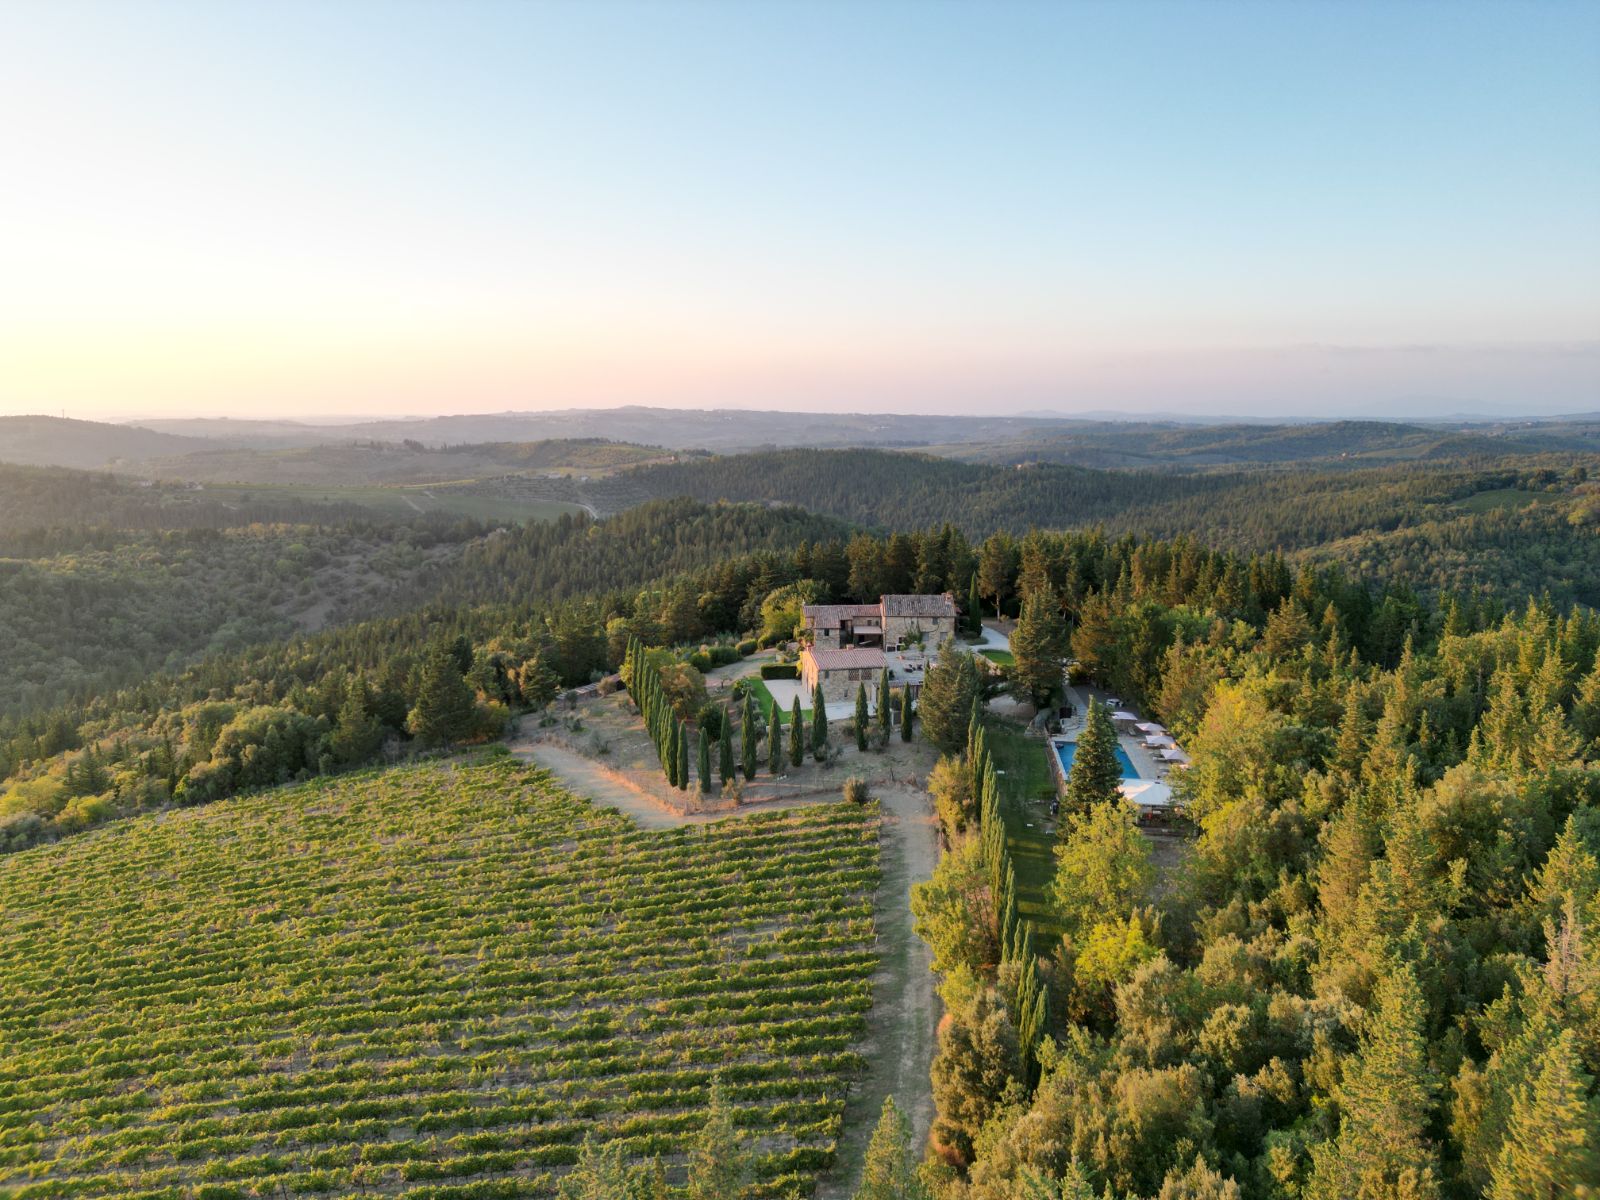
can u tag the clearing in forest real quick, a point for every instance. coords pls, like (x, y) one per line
(427, 982)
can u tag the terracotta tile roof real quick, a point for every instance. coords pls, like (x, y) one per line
(919, 606)
(829, 616)
(848, 658)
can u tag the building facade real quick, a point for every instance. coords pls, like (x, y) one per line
(842, 671)
(894, 623)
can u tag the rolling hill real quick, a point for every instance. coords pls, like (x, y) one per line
(62, 442)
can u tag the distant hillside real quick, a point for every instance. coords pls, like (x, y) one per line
(679, 429)
(410, 462)
(1190, 448)
(61, 442)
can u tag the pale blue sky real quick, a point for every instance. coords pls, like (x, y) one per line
(1297, 208)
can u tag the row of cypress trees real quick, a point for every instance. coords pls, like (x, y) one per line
(671, 734)
(1030, 1000)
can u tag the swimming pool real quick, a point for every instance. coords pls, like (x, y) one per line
(1066, 750)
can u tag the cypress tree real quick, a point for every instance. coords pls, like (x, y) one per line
(819, 720)
(861, 716)
(682, 755)
(747, 737)
(669, 753)
(797, 746)
(974, 609)
(725, 768)
(907, 712)
(884, 699)
(703, 760)
(774, 742)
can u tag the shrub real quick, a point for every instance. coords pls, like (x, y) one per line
(700, 660)
(779, 671)
(746, 647)
(856, 790)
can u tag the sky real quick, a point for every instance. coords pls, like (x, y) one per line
(309, 209)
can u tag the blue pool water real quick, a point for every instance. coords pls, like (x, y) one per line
(1065, 751)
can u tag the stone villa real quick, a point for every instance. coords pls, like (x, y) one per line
(851, 644)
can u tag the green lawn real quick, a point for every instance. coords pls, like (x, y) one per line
(411, 499)
(1027, 787)
(1002, 658)
(765, 702)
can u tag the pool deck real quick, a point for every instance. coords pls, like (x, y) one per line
(1144, 762)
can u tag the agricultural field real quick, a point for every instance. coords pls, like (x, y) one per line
(431, 982)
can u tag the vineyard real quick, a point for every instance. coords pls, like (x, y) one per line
(431, 982)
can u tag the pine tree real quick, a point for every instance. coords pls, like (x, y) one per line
(861, 716)
(1385, 1100)
(1038, 644)
(948, 694)
(444, 709)
(719, 1165)
(819, 721)
(1095, 772)
(747, 737)
(1552, 1143)
(703, 760)
(797, 745)
(725, 767)
(889, 1172)
(357, 734)
(907, 713)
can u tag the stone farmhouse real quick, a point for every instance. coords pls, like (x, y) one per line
(893, 623)
(851, 644)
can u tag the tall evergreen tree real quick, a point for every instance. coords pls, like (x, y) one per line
(885, 698)
(725, 767)
(973, 617)
(357, 733)
(1038, 644)
(774, 741)
(890, 1170)
(819, 721)
(951, 688)
(1385, 1100)
(682, 755)
(797, 742)
(444, 709)
(747, 737)
(907, 713)
(1552, 1144)
(862, 716)
(703, 760)
(720, 1166)
(1095, 772)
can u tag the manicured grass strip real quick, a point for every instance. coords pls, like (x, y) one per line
(1026, 787)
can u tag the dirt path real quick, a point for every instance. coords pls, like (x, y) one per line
(905, 1007)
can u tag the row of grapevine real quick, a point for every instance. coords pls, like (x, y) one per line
(424, 982)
